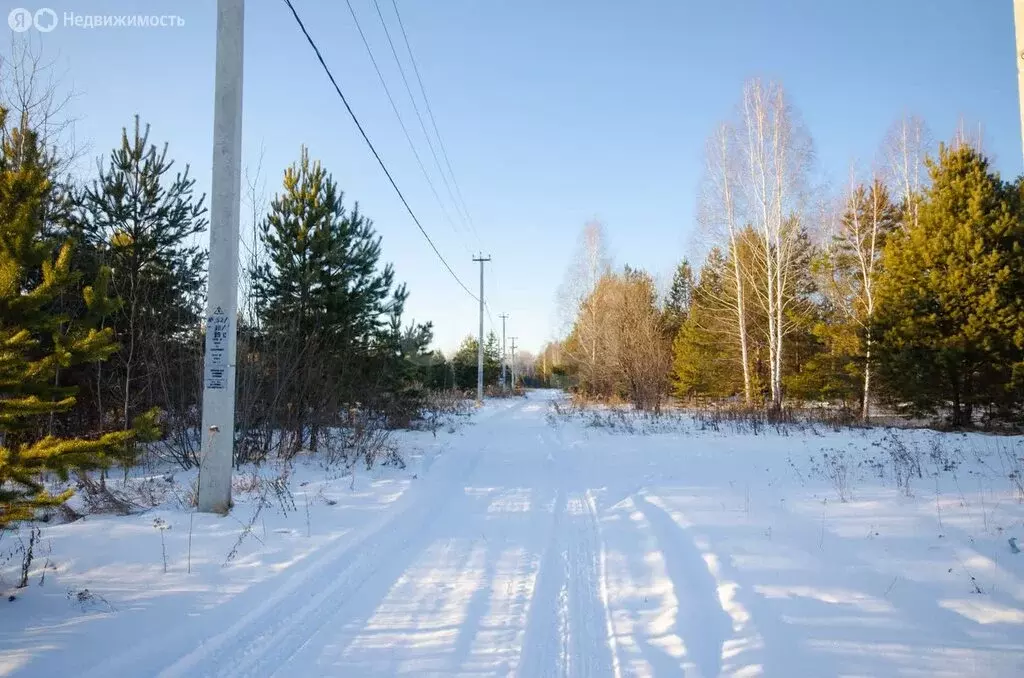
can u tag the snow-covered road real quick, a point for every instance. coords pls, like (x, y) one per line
(531, 548)
(490, 565)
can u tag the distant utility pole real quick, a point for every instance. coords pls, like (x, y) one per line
(1018, 22)
(218, 428)
(513, 363)
(504, 317)
(480, 345)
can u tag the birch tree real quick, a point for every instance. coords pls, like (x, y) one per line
(37, 95)
(776, 154)
(580, 308)
(868, 218)
(719, 211)
(905, 149)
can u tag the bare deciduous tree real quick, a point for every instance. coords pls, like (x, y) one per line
(776, 157)
(868, 216)
(718, 212)
(579, 304)
(906, 146)
(642, 351)
(622, 322)
(38, 95)
(967, 135)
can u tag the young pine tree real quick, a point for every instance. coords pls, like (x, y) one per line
(140, 220)
(680, 298)
(464, 363)
(706, 362)
(37, 342)
(400, 367)
(492, 359)
(323, 300)
(951, 300)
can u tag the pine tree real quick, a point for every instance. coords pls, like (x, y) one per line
(397, 368)
(492, 360)
(680, 297)
(323, 301)
(705, 362)
(951, 308)
(829, 352)
(464, 363)
(802, 315)
(36, 342)
(140, 218)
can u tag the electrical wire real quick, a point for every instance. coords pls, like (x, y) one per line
(416, 109)
(433, 121)
(373, 149)
(487, 307)
(405, 130)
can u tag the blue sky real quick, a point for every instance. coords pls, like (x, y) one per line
(553, 112)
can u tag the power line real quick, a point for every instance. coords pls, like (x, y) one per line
(405, 130)
(433, 121)
(489, 316)
(369, 143)
(416, 109)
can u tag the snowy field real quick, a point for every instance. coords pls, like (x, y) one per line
(534, 542)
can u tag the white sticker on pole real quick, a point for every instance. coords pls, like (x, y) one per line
(217, 328)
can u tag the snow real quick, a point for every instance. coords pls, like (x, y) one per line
(535, 542)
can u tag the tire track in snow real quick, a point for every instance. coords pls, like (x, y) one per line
(262, 642)
(545, 645)
(602, 584)
(591, 641)
(271, 639)
(295, 649)
(256, 615)
(568, 629)
(187, 645)
(545, 651)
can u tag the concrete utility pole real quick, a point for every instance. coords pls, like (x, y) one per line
(504, 317)
(218, 428)
(1018, 23)
(480, 346)
(513, 364)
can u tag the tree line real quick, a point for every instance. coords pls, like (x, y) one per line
(102, 312)
(905, 292)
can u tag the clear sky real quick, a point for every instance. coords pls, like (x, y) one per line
(553, 112)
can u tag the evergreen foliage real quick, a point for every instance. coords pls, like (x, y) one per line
(705, 360)
(465, 360)
(680, 298)
(914, 302)
(140, 220)
(329, 316)
(36, 343)
(932, 305)
(951, 311)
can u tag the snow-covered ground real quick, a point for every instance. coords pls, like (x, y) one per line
(534, 543)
